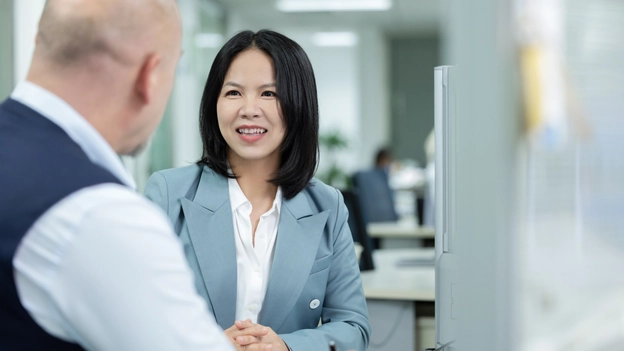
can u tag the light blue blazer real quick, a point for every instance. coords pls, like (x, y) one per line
(314, 259)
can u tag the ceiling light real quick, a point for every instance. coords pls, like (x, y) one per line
(334, 39)
(333, 5)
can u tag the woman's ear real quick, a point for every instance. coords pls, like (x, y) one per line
(147, 78)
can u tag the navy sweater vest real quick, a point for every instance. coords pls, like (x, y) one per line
(39, 166)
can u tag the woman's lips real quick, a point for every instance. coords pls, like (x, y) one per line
(251, 134)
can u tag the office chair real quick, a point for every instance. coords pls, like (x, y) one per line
(375, 196)
(358, 230)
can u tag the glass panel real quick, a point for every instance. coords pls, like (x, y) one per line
(571, 289)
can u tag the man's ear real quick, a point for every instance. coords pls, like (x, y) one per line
(147, 78)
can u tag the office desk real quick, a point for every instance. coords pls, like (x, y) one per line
(390, 281)
(393, 293)
(400, 233)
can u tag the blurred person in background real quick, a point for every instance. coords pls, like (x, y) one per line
(85, 262)
(270, 245)
(383, 160)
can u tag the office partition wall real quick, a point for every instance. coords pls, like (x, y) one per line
(446, 312)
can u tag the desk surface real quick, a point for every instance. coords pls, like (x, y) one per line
(389, 281)
(403, 228)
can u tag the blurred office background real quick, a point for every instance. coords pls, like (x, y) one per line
(373, 71)
(539, 166)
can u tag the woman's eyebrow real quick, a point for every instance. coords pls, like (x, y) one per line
(233, 84)
(263, 86)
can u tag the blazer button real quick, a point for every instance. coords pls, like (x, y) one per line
(315, 303)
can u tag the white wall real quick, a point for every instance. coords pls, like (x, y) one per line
(374, 102)
(336, 72)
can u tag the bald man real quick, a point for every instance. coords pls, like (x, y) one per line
(85, 262)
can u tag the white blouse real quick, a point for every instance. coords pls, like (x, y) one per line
(253, 263)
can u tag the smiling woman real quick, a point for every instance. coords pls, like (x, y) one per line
(284, 78)
(248, 111)
(269, 245)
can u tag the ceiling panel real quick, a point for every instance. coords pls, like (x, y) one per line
(405, 16)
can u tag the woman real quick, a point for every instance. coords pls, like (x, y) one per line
(269, 245)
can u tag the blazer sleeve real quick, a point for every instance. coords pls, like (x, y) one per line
(345, 314)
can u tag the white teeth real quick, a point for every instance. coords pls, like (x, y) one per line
(251, 131)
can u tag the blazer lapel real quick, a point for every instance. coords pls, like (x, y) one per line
(209, 221)
(298, 238)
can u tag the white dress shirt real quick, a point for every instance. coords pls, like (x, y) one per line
(103, 267)
(253, 262)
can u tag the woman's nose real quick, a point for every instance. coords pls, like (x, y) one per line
(250, 108)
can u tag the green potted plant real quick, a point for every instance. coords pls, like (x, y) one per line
(331, 142)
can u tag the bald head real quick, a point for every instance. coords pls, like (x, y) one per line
(72, 32)
(113, 61)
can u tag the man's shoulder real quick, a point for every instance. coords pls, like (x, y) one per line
(106, 194)
(109, 200)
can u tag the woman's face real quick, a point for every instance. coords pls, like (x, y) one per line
(248, 110)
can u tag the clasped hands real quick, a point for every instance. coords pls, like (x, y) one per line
(248, 336)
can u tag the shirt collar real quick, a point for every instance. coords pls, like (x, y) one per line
(238, 198)
(79, 130)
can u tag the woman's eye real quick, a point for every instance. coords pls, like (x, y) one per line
(269, 93)
(232, 93)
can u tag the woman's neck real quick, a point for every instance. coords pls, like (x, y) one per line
(253, 179)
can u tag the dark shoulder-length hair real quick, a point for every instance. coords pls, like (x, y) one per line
(296, 92)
